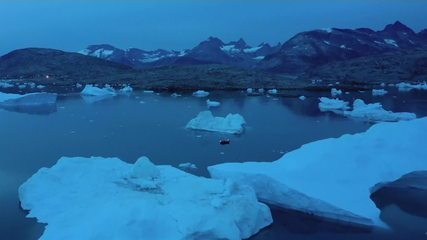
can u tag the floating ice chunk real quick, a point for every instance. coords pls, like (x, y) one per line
(30, 99)
(382, 84)
(126, 89)
(232, 123)
(6, 84)
(106, 198)
(332, 177)
(148, 91)
(200, 93)
(272, 91)
(31, 85)
(40, 86)
(328, 104)
(335, 92)
(302, 98)
(249, 90)
(187, 165)
(379, 92)
(175, 95)
(408, 86)
(261, 90)
(90, 90)
(374, 112)
(22, 86)
(212, 103)
(78, 85)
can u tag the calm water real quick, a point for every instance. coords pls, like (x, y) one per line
(153, 125)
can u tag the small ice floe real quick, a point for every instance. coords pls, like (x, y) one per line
(272, 91)
(175, 95)
(78, 85)
(302, 98)
(22, 86)
(382, 84)
(6, 84)
(200, 93)
(374, 112)
(408, 86)
(335, 92)
(187, 165)
(249, 90)
(212, 103)
(40, 86)
(328, 104)
(31, 85)
(379, 92)
(90, 90)
(126, 90)
(261, 90)
(103, 198)
(232, 123)
(148, 91)
(302, 179)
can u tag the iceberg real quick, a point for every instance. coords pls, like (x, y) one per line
(332, 178)
(328, 104)
(126, 89)
(249, 90)
(374, 112)
(232, 123)
(106, 198)
(335, 92)
(27, 100)
(200, 93)
(187, 165)
(272, 91)
(90, 90)
(212, 103)
(302, 98)
(379, 92)
(403, 87)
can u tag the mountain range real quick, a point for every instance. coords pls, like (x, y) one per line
(350, 56)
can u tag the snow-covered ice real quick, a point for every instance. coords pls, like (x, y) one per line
(210, 103)
(335, 92)
(28, 100)
(90, 90)
(232, 123)
(379, 92)
(332, 177)
(374, 112)
(106, 198)
(408, 86)
(328, 104)
(200, 93)
(187, 165)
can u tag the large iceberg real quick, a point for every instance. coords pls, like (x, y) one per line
(27, 100)
(90, 90)
(374, 112)
(332, 178)
(106, 198)
(328, 104)
(232, 123)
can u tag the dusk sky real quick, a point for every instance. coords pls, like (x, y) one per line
(72, 25)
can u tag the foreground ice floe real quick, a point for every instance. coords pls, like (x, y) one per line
(232, 123)
(200, 93)
(27, 100)
(408, 86)
(210, 103)
(332, 178)
(372, 112)
(106, 198)
(90, 90)
(379, 92)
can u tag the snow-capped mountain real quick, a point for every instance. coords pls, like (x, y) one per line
(314, 48)
(212, 50)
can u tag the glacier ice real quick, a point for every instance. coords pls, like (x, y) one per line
(106, 198)
(332, 178)
(232, 123)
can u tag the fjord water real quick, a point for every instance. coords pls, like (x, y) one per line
(152, 125)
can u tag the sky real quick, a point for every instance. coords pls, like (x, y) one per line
(181, 24)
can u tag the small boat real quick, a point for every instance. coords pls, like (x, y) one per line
(224, 141)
